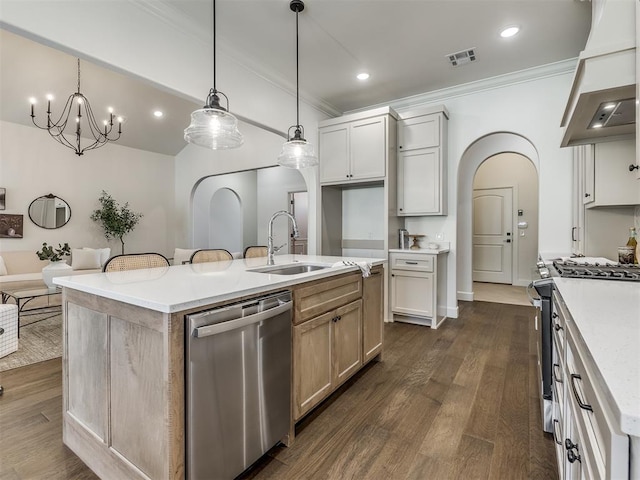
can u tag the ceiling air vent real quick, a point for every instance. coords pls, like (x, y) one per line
(462, 57)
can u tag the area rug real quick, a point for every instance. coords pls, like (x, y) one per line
(40, 340)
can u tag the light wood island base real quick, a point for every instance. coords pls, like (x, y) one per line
(124, 370)
(123, 388)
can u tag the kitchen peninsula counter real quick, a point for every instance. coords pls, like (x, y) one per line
(606, 314)
(123, 358)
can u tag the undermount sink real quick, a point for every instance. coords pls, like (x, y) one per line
(294, 269)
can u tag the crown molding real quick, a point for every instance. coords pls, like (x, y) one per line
(521, 76)
(178, 21)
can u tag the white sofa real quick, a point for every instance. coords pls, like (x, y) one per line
(23, 266)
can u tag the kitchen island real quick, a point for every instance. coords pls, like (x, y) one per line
(124, 349)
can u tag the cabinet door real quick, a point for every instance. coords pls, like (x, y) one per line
(368, 148)
(419, 132)
(334, 153)
(589, 175)
(372, 314)
(412, 293)
(419, 182)
(347, 338)
(312, 363)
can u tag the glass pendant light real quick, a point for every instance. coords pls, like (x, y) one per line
(213, 126)
(297, 152)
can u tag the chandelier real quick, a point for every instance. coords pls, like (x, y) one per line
(82, 116)
(297, 152)
(213, 126)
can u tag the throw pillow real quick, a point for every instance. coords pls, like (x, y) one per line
(3, 267)
(181, 255)
(82, 259)
(104, 254)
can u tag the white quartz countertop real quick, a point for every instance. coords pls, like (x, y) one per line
(181, 287)
(607, 314)
(431, 251)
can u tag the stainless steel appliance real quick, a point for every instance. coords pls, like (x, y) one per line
(238, 384)
(543, 319)
(594, 269)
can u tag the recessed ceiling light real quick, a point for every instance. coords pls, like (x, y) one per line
(509, 32)
(362, 76)
(158, 114)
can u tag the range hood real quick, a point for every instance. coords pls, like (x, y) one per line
(602, 102)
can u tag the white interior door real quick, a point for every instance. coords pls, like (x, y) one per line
(492, 235)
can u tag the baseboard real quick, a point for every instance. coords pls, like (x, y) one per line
(465, 296)
(452, 312)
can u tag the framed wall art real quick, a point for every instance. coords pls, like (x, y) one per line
(11, 226)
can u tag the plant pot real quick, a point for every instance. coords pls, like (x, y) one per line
(55, 269)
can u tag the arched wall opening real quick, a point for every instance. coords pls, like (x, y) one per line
(258, 194)
(226, 227)
(480, 150)
(505, 220)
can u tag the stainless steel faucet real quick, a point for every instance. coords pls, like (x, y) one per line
(270, 249)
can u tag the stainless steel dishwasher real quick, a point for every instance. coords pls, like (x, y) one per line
(238, 392)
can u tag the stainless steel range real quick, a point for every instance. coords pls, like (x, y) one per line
(571, 267)
(595, 270)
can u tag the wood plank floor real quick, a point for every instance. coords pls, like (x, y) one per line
(457, 402)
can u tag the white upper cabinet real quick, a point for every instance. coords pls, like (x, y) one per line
(607, 179)
(419, 132)
(355, 147)
(422, 162)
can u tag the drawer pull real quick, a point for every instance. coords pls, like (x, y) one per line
(556, 423)
(554, 315)
(555, 375)
(1, 330)
(411, 263)
(557, 327)
(581, 404)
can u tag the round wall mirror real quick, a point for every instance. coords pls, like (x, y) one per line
(49, 211)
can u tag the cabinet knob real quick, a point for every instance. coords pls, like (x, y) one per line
(587, 195)
(400, 147)
(400, 209)
(632, 167)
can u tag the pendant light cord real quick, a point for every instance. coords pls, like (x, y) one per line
(297, 76)
(214, 45)
(78, 75)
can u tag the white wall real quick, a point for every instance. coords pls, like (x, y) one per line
(33, 164)
(531, 109)
(513, 170)
(274, 186)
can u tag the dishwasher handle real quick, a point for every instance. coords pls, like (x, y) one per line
(208, 330)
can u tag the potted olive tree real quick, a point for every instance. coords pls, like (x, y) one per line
(116, 220)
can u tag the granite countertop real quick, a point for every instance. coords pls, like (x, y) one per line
(181, 287)
(607, 316)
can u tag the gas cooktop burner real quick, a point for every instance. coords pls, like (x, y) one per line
(571, 269)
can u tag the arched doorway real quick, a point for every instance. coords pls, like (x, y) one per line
(479, 151)
(505, 220)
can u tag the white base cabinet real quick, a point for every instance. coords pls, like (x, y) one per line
(418, 285)
(589, 443)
